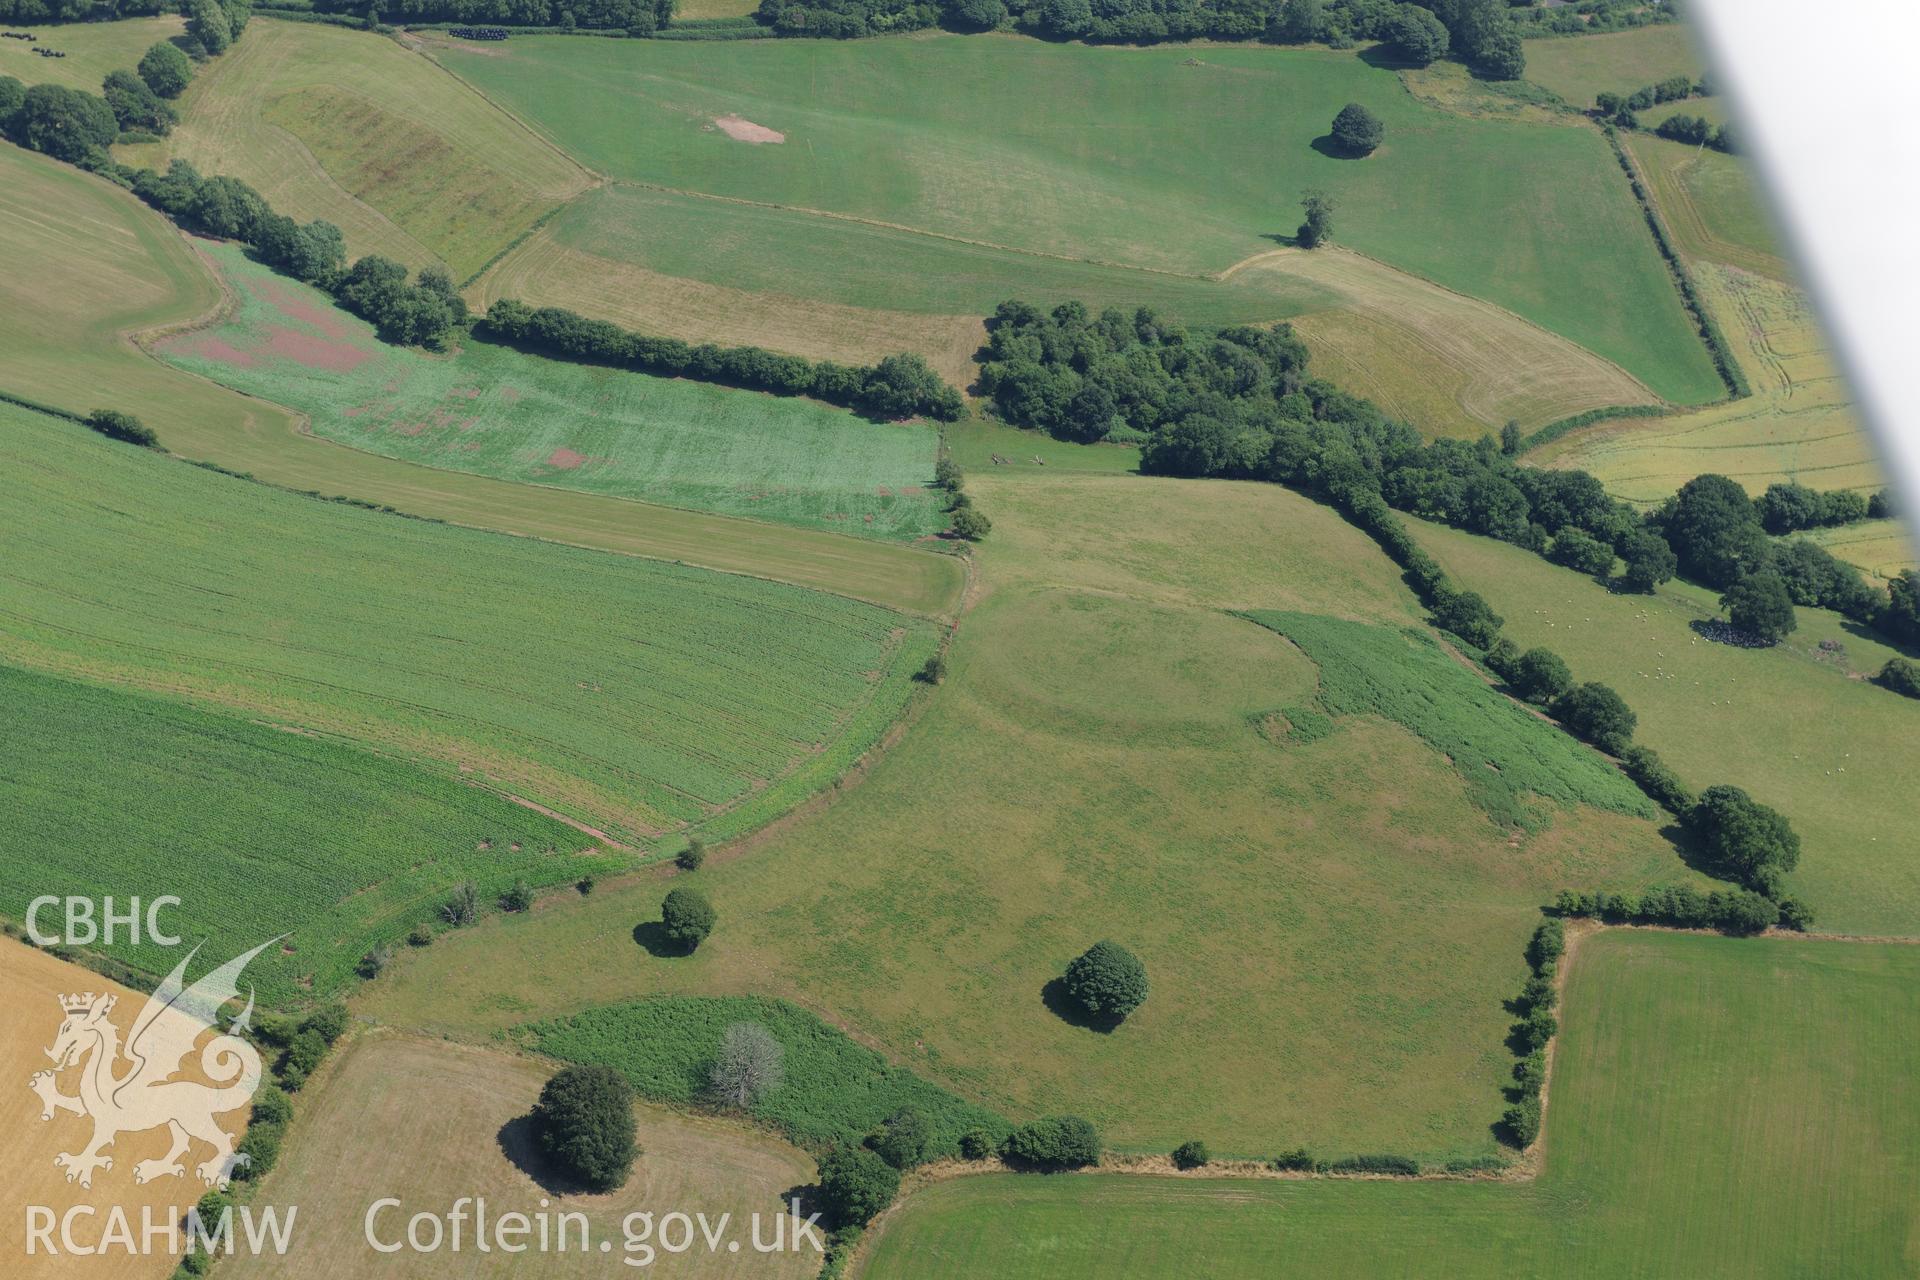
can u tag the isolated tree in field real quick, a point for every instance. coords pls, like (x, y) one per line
(1107, 980)
(855, 1184)
(688, 916)
(1747, 840)
(166, 69)
(1317, 229)
(693, 857)
(64, 123)
(1510, 439)
(749, 1066)
(1649, 561)
(1598, 714)
(905, 1140)
(1356, 131)
(584, 1123)
(207, 23)
(1419, 37)
(1540, 675)
(1760, 605)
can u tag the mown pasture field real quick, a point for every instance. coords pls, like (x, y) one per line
(360, 130)
(82, 264)
(34, 982)
(92, 49)
(1134, 158)
(497, 412)
(430, 1122)
(637, 696)
(1801, 731)
(1718, 1108)
(1617, 62)
(1329, 927)
(259, 831)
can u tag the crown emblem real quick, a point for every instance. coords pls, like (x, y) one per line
(77, 1003)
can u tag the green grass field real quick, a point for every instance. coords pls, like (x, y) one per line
(496, 412)
(83, 263)
(92, 48)
(110, 793)
(1719, 1108)
(1618, 62)
(1802, 732)
(1712, 205)
(1329, 927)
(638, 696)
(1127, 157)
(362, 131)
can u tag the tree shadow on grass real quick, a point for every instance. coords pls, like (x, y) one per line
(652, 934)
(1072, 1012)
(521, 1146)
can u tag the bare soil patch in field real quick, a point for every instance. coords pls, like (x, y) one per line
(741, 129)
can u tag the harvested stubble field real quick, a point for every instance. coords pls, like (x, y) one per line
(630, 694)
(1719, 1107)
(1801, 730)
(34, 983)
(1126, 158)
(500, 413)
(1330, 926)
(1799, 424)
(83, 263)
(258, 830)
(359, 130)
(430, 1122)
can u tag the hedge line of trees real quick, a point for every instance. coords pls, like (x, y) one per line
(1241, 404)
(1520, 1123)
(640, 17)
(1681, 906)
(1723, 362)
(899, 386)
(1480, 32)
(29, 11)
(1622, 111)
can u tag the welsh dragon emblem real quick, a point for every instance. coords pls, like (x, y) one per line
(145, 1095)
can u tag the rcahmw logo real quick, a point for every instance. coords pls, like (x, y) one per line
(145, 1094)
(84, 927)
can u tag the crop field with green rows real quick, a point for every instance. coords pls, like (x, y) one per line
(496, 412)
(258, 831)
(635, 695)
